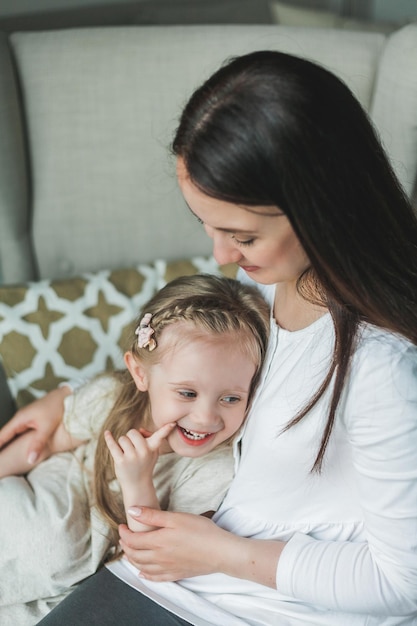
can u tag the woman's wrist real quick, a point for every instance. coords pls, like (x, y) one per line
(251, 559)
(54, 403)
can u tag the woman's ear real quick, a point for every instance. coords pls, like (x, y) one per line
(137, 371)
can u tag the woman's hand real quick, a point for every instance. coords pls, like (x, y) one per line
(43, 416)
(184, 545)
(188, 545)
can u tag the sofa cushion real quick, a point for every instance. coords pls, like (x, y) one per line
(55, 330)
(300, 16)
(395, 105)
(100, 110)
(284, 13)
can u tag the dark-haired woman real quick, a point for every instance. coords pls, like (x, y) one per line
(279, 162)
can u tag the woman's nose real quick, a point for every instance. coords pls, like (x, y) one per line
(224, 249)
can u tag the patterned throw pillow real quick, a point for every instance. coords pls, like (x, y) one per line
(56, 330)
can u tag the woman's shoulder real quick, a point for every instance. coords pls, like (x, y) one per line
(376, 343)
(380, 402)
(384, 363)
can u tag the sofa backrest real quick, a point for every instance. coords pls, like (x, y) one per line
(87, 116)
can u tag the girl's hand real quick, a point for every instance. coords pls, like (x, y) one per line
(134, 457)
(136, 453)
(186, 545)
(42, 416)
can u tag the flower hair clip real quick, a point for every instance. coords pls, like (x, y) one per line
(144, 332)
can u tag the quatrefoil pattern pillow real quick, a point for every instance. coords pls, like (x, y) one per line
(57, 330)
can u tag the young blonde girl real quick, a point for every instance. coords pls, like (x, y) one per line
(208, 341)
(189, 314)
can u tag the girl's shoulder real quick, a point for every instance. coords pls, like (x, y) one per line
(97, 390)
(88, 407)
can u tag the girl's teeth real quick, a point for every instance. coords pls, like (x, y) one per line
(192, 435)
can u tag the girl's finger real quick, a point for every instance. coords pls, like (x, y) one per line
(145, 433)
(113, 446)
(155, 440)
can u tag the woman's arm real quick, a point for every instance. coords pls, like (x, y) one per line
(49, 425)
(41, 418)
(378, 574)
(375, 575)
(14, 456)
(188, 545)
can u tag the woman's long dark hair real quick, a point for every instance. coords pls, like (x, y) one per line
(272, 129)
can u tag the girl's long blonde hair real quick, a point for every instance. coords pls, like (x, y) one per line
(212, 306)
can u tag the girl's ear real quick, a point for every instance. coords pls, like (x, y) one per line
(137, 371)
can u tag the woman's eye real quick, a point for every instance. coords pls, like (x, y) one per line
(187, 394)
(231, 399)
(200, 221)
(246, 242)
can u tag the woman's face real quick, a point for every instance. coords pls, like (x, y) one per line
(259, 239)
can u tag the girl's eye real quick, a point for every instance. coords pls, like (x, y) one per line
(187, 394)
(248, 242)
(231, 399)
(200, 221)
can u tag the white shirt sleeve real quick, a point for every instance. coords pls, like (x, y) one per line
(378, 576)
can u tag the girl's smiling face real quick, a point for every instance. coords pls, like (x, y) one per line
(200, 383)
(260, 239)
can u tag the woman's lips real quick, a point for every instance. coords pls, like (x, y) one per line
(249, 268)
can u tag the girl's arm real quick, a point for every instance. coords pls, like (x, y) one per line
(134, 456)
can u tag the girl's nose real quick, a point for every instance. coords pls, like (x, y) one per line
(205, 417)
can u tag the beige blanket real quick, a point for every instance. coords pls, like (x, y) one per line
(51, 537)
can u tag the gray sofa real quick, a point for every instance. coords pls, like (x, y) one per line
(87, 183)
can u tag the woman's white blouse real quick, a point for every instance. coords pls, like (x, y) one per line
(351, 530)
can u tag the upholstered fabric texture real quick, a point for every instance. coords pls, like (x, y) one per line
(288, 15)
(55, 330)
(101, 108)
(395, 105)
